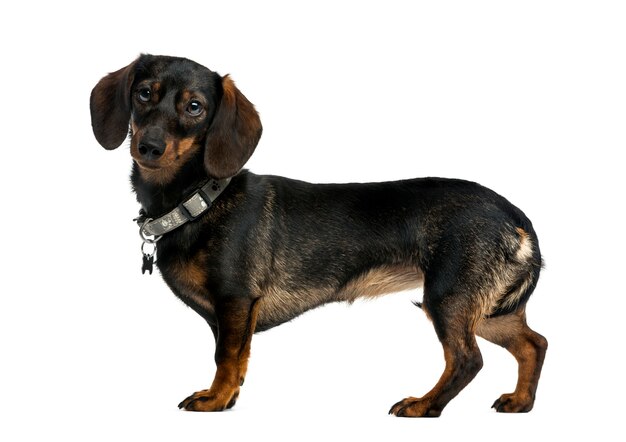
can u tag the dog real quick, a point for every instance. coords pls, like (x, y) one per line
(249, 252)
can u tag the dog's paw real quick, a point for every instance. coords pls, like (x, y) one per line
(513, 403)
(207, 400)
(414, 407)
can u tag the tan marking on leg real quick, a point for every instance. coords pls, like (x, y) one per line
(244, 352)
(529, 349)
(232, 363)
(463, 361)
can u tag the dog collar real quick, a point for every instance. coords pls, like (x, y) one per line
(189, 210)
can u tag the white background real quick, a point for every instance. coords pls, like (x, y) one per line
(528, 98)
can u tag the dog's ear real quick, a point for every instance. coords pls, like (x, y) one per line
(110, 107)
(233, 134)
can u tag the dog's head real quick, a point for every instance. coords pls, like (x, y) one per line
(177, 110)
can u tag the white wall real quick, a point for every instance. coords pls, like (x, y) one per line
(525, 97)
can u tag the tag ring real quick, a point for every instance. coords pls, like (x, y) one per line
(143, 245)
(143, 235)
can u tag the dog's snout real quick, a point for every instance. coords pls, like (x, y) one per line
(151, 149)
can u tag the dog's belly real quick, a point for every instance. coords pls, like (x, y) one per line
(279, 304)
(381, 281)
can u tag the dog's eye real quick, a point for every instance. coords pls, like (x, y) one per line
(144, 94)
(194, 108)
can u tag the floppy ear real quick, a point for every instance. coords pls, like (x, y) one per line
(233, 134)
(110, 107)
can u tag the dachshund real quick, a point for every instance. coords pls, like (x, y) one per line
(249, 252)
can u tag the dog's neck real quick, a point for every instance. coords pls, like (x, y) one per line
(158, 198)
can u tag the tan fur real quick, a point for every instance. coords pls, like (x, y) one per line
(523, 256)
(183, 148)
(435, 400)
(500, 328)
(191, 274)
(529, 349)
(525, 250)
(231, 369)
(277, 304)
(190, 277)
(381, 281)
(156, 90)
(508, 273)
(185, 96)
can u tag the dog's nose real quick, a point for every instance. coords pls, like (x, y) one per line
(151, 149)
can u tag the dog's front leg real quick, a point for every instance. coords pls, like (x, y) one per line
(236, 321)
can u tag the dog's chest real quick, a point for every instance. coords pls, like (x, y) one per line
(187, 278)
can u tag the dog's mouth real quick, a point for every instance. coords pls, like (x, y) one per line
(149, 165)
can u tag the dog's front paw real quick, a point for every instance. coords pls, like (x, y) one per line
(207, 400)
(513, 403)
(414, 407)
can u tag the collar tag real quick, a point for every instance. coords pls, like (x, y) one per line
(148, 247)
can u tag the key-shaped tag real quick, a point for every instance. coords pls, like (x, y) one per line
(148, 261)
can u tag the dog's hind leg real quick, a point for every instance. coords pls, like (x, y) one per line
(454, 325)
(529, 348)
